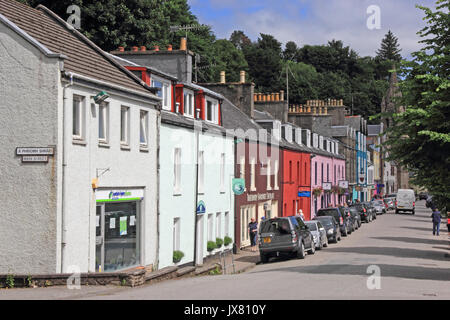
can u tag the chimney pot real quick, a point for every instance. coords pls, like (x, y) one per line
(156, 48)
(183, 44)
(135, 48)
(143, 48)
(242, 77)
(282, 95)
(222, 77)
(169, 48)
(121, 49)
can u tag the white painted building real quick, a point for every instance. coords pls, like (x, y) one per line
(91, 205)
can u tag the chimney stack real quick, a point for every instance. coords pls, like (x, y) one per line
(183, 44)
(222, 77)
(242, 77)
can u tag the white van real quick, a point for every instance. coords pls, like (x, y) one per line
(406, 201)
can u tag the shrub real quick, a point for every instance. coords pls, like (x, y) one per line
(10, 281)
(219, 242)
(227, 241)
(211, 246)
(177, 256)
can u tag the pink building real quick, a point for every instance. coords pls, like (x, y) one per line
(327, 166)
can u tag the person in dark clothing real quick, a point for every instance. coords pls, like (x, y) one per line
(436, 217)
(253, 232)
(448, 223)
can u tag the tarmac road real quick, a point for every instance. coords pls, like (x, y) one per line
(413, 264)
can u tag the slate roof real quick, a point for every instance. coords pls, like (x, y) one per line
(83, 56)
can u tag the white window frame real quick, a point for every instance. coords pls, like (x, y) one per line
(177, 171)
(219, 225)
(189, 100)
(80, 100)
(253, 174)
(143, 128)
(166, 95)
(222, 172)
(227, 224)
(214, 111)
(125, 126)
(276, 175)
(103, 114)
(268, 172)
(176, 233)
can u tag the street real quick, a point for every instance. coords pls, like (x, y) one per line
(413, 264)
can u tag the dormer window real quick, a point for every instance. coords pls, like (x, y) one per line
(164, 91)
(188, 103)
(212, 111)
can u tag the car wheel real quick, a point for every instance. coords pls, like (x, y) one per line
(413, 212)
(264, 258)
(396, 212)
(301, 251)
(313, 247)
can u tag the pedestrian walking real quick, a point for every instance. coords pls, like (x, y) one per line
(253, 232)
(300, 213)
(436, 218)
(448, 222)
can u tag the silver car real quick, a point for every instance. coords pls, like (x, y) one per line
(379, 206)
(318, 232)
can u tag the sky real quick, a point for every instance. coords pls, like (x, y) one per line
(315, 22)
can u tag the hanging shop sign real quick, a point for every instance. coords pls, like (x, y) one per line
(119, 195)
(238, 186)
(343, 184)
(201, 208)
(326, 186)
(304, 194)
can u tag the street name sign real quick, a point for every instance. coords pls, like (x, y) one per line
(34, 151)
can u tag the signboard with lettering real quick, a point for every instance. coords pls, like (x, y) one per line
(119, 195)
(35, 159)
(343, 184)
(326, 185)
(260, 196)
(32, 151)
(304, 194)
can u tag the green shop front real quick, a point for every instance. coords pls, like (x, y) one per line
(118, 229)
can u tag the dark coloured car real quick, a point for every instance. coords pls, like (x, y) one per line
(423, 196)
(348, 218)
(331, 226)
(356, 217)
(364, 213)
(371, 209)
(284, 236)
(337, 215)
(429, 202)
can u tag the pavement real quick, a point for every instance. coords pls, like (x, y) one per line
(394, 257)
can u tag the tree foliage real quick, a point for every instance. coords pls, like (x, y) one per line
(420, 137)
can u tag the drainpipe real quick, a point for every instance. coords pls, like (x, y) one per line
(196, 190)
(64, 165)
(158, 218)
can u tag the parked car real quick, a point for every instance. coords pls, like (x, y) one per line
(356, 216)
(348, 219)
(390, 203)
(331, 226)
(423, 196)
(406, 201)
(363, 212)
(319, 233)
(380, 207)
(336, 213)
(371, 209)
(284, 235)
(391, 195)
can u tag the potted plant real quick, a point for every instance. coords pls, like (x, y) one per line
(177, 256)
(317, 191)
(335, 189)
(227, 240)
(219, 243)
(210, 246)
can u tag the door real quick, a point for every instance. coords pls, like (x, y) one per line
(199, 241)
(117, 236)
(247, 213)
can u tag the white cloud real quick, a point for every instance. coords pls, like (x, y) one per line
(323, 20)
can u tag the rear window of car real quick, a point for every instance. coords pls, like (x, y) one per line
(328, 222)
(329, 212)
(274, 226)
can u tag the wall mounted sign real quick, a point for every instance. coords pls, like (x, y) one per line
(304, 194)
(201, 208)
(343, 184)
(238, 186)
(34, 158)
(326, 185)
(119, 195)
(260, 196)
(32, 151)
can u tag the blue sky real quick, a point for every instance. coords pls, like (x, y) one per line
(316, 21)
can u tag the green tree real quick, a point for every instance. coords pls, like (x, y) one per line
(390, 48)
(290, 51)
(420, 137)
(226, 57)
(239, 39)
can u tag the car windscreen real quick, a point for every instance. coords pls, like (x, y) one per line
(311, 226)
(329, 212)
(276, 226)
